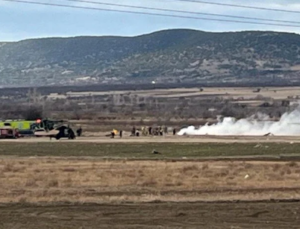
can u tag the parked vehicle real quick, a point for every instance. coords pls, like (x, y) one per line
(8, 132)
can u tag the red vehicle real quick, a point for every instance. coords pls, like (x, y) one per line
(8, 132)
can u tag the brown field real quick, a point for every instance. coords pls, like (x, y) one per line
(50, 180)
(88, 193)
(83, 187)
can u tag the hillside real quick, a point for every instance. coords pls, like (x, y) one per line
(165, 56)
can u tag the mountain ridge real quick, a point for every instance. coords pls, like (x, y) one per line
(167, 56)
(153, 33)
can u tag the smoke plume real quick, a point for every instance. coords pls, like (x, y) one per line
(258, 125)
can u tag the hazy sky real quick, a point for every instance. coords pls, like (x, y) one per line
(21, 21)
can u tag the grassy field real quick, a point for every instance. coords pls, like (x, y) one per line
(72, 184)
(144, 150)
(56, 180)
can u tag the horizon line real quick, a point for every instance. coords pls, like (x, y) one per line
(148, 33)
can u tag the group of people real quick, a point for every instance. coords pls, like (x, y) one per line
(71, 134)
(144, 131)
(116, 132)
(157, 131)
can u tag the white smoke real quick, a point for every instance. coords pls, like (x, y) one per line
(258, 125)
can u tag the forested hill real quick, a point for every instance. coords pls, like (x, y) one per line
(170, 56)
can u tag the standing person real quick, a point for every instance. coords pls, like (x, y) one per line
(150, 130)
(121, 133)
(157, 131)
(113, 134)
(143, 131)
(71, 134)
(165, 129)
(161, 131)
(174, 131)
(79, 132)
(133, 131)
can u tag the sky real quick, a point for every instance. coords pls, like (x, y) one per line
(19, 21)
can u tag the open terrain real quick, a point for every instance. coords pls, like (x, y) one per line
(60, 180)
(119, 184)
(75, 192)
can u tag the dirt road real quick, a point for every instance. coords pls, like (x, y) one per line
(153, 215)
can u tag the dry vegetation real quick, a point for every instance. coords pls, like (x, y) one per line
(63, 180)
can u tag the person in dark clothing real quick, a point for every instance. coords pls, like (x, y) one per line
(71, 134)
(174, 131)
(156, 131)
(112, 134)
(133, 131)
(150, 130)
(79, 132)
(121, 133)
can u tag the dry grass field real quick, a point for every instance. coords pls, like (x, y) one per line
(73, 184)
(88, 193)
(53, 180)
